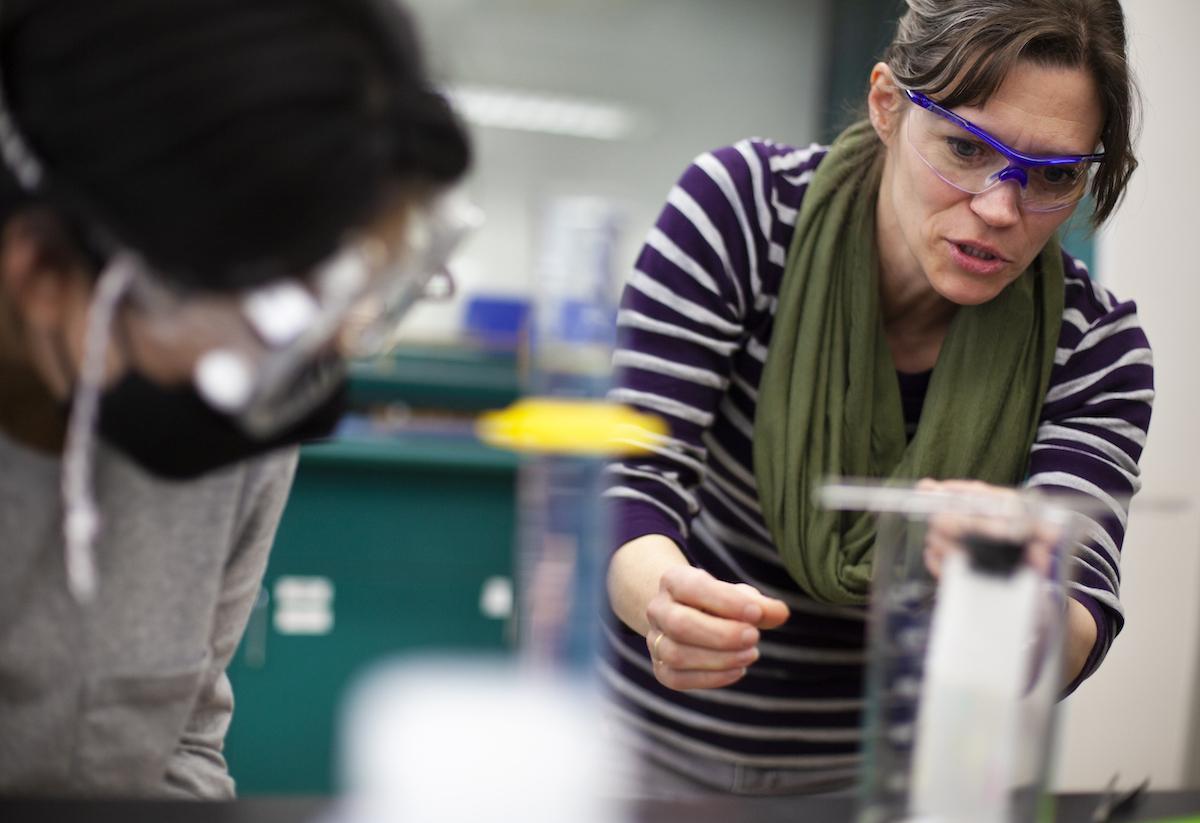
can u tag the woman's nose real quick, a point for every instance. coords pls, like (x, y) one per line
(1000, 205)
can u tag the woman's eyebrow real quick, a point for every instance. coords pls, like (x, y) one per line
(1049, 148)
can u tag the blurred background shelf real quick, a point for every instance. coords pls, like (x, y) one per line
(443, 377)
(393, 542)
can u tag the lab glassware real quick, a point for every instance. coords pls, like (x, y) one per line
(563, 535)
(965, 669)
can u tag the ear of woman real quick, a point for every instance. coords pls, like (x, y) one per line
(884, 104)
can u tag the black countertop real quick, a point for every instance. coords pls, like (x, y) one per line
(1070, 808)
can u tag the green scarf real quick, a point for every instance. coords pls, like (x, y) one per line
(829, 400)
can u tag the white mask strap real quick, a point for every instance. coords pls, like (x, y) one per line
(81, 521)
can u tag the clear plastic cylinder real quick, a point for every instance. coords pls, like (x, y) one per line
(964, 669)
(563, 540)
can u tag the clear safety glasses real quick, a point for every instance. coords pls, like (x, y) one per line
(973, 161)
(267, 356)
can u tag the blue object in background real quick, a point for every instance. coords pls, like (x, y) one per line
(586, 322)
(496, 321)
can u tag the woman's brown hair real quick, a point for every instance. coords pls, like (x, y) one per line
(959, 52)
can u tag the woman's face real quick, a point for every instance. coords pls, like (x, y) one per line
(932, 230)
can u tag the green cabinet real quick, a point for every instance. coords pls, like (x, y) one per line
(387, 546)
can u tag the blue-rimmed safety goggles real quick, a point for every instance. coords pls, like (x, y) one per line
(973, 161)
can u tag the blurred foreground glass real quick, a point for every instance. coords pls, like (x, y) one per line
(563, 536)
(964, 671)
(472, 740)
(520, 739)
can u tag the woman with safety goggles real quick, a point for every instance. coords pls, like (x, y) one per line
(895, 305)
(206, 207)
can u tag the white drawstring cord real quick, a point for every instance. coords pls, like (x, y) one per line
(81, 520)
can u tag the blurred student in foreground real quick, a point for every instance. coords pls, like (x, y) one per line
(207, 206)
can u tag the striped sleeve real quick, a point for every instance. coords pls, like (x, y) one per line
(1091, 436)
(682, 319)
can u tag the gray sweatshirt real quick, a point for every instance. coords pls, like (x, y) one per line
(127, 696)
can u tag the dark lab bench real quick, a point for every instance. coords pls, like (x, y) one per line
(1070, 808)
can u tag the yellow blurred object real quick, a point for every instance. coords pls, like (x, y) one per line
(545, 425)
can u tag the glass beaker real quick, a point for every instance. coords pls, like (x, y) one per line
(964, 669)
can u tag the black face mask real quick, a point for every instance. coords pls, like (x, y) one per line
(173, 433)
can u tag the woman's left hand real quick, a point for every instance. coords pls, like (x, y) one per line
(947, 530)
(945, 535)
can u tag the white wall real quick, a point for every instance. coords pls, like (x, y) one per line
(1138, 715)
(697, 74)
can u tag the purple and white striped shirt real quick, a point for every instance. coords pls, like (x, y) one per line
(694, 326)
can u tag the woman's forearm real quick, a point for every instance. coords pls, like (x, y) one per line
(1081, 637)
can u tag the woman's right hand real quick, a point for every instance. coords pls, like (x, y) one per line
(702, 633)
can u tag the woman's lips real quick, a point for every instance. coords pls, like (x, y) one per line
(977, 258)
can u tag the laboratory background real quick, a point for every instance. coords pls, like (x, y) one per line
(398, 538)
